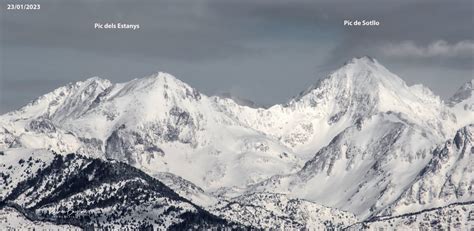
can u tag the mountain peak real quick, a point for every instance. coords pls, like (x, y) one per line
(157, 83)
(367, 70)
(362, 59)
(363, 87)
(463, 93)
(365, 64)
(361, 63)
(360, 74)
(163, 76)
(158, 78)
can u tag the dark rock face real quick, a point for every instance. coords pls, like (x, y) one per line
(178, 121)
(115, 149)
(42, 125)
(6, 138)
(93, 144)
(122, 145)
(193, 93)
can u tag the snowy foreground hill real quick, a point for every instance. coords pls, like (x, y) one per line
(86, 193)
(359, 149)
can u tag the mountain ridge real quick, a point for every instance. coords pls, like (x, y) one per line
(361, 122)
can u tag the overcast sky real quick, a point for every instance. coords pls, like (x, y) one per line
(263, 50)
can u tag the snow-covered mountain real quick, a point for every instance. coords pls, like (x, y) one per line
(358, 90)
(387, 133)
(383, 167)
(159, 122)
(87, 193)
(156, 123)
(360, 140)
(11, 219)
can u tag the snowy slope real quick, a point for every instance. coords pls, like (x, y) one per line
(276, 211)
(11, 219)
(17, 165)
(383, 165)
(187, 189)
(459, 216)
(364, 167)
(446, 179)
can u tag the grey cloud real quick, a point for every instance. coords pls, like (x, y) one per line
(438, 48)
(170, 29)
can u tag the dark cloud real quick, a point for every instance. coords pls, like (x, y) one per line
(265, 50)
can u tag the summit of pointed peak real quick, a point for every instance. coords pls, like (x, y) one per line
(158, 79)
(463, 93)
(364, 77)
(367, 70)
(163, 78)
(469, 85)
(160, 84)
(362, 59)
(358, 69)
(363, 63)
